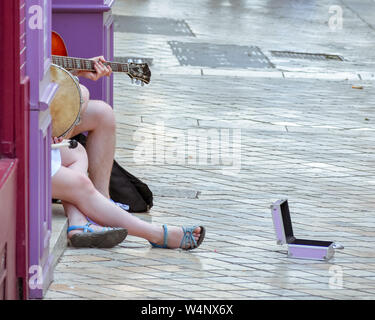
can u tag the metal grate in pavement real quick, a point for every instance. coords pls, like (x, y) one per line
(306, 55)
(219, 56)
(150, 25)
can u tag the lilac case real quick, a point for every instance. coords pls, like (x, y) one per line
(297, 248)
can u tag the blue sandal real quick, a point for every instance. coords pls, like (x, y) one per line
(187, 239)
(106, 238)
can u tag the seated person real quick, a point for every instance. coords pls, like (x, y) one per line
(98, 120)
(81, 200)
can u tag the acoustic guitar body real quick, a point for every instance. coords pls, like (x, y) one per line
(58, 45)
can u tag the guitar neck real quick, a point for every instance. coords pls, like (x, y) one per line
(71, 63)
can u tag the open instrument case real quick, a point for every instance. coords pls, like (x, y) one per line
(298, 248)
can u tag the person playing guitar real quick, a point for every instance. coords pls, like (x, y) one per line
(85, 197)
(98, 120)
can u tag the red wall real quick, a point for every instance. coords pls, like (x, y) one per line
(8, 185)
(13, 149)
(22, 152)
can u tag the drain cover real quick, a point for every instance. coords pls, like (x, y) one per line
(305, 55)
(216, 56)
(150, 25)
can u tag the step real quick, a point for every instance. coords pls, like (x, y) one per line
(58, 242)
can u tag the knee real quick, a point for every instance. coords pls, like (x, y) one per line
(107, 117)
(80, 152)
(83, 185)
(85, 94)
(81, 155)
(76, 157)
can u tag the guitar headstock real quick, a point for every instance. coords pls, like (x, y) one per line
(139, 71)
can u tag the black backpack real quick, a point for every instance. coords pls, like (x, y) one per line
(126, 188)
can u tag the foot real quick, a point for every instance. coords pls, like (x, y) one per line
(180, 237)
(91, 228)
(94, 236)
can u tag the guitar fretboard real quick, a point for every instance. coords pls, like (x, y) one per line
(71, 63)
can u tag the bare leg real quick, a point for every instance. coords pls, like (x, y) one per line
(78, 190)
(76, 161)
(99, 121)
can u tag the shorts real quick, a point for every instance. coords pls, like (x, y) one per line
(55, 161)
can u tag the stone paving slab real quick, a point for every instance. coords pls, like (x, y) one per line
(239, 142)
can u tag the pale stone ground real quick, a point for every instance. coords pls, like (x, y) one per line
(298, 131)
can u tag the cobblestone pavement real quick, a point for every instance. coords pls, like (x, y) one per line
(218, 145)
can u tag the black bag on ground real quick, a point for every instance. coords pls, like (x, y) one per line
(126, 188)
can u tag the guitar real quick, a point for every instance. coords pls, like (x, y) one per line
(136, 71)
(65, 108)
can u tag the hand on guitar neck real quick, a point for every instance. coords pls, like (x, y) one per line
(97, 67)
(101, 70)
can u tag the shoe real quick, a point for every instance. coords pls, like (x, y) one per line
(106, 238)
(186, 239)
